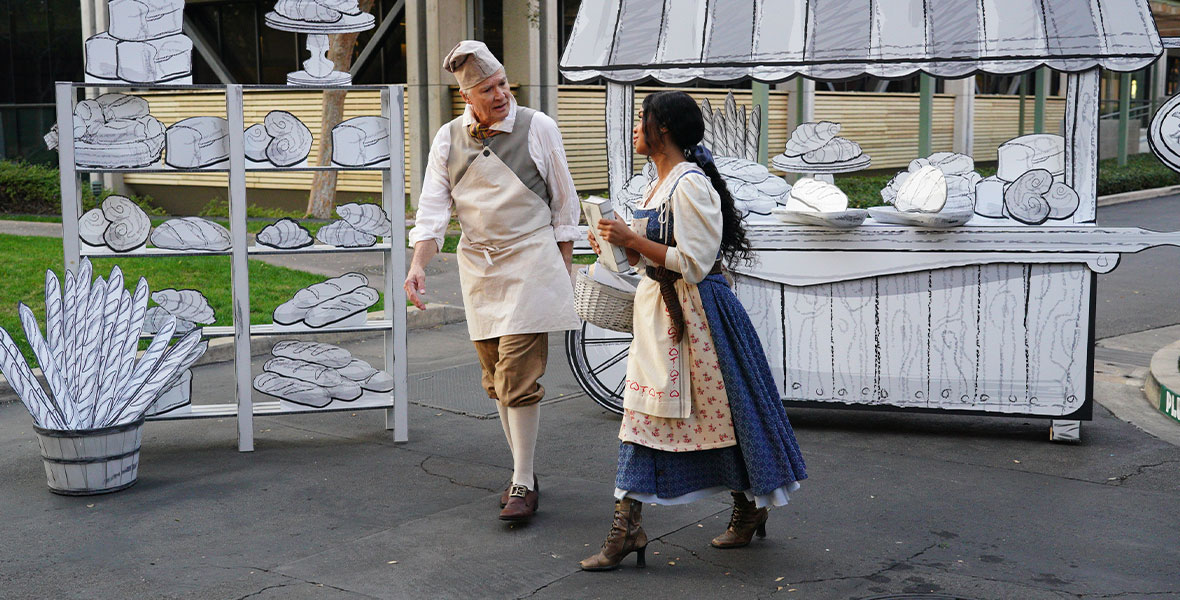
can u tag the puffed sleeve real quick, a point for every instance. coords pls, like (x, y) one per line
(696, 218)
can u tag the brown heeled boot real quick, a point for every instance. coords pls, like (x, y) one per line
(626, 536)
(743, 524)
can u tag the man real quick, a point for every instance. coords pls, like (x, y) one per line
(502, 167)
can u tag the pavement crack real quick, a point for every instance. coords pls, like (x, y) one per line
(702, 558)
(269, 587)
(1168, 594)
(288, 576)
(422, 466)
(1121, 479)
(536, 591)
(876, 573)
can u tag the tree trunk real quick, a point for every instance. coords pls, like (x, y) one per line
(322, 198)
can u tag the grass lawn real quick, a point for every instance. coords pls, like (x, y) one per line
(28, 257)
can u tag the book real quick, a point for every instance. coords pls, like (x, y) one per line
(612, 257)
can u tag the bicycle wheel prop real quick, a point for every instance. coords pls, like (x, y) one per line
(598, 359)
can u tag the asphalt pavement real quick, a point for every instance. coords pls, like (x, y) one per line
(327, 506)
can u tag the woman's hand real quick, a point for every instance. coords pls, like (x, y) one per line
(593, 241)
(617, 232)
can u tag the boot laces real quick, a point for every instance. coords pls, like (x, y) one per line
(741, 513)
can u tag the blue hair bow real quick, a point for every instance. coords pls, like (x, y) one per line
(701, 154)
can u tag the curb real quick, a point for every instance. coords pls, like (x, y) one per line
(1162, 387)
(1112, 199)
(435, 315)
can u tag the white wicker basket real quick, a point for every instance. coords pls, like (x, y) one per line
(602, 305)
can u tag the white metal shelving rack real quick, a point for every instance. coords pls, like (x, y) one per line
(392, 250)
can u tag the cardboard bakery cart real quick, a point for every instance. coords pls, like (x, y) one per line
(995, 317)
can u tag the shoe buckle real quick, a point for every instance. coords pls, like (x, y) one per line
(518, 491)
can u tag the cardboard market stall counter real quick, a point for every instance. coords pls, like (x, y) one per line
(995, 317)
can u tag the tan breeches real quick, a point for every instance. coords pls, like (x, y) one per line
(512, 366)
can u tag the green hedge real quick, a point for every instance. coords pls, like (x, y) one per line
(1143, 172)
(29, 189)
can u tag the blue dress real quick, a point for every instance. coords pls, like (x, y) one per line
(766, 462)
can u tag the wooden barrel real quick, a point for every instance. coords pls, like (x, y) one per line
(91, 461)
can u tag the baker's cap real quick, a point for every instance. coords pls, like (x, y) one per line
(471, 62)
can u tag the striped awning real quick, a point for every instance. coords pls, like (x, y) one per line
(675, 41)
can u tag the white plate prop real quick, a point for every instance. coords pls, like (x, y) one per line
(892, 216)
(796, 164)
(845, 219)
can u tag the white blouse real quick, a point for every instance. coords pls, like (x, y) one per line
(696, 219)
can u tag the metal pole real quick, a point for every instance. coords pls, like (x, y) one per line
(394, 198)
(239, 272)
(1041, 90)
(1124, 115)
(925, 114)
(68, 175)
(761, 98)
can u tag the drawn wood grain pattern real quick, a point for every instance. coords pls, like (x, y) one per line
(807, 326)
(1081, 141)
(1002, 364)
(763, 302)
(954, 337)
(903, 307)
(1005, 338)
(1059, 332)
(853, 318)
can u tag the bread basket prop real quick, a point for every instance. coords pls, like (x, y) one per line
(89, 424)
(605, 304)
(604, 293)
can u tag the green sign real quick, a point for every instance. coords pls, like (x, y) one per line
(1169, 403)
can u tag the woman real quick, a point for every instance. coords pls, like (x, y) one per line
(702, 413)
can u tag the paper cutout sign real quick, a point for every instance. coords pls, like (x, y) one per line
(318, 19)
(143, 44)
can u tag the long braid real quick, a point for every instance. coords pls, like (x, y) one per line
(680, 116)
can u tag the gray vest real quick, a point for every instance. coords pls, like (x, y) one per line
(511, 148)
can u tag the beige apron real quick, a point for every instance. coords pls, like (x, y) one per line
(514, 279)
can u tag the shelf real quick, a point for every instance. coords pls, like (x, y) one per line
(367, 401)
(313, 168)
(114, 85)
(103, 253)
(317, 249)
(235, 172)
(270, 329)
(252, 250)
(150, 170)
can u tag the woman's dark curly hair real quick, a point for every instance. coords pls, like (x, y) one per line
(679, 114)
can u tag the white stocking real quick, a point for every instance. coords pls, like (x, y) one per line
(504, 423)
(523, 423)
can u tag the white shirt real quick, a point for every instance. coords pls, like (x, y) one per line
(546, 150)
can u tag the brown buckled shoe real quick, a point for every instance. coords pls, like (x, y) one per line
(521, 505)
(507, 490)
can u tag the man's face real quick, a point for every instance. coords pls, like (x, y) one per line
(490, 99)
